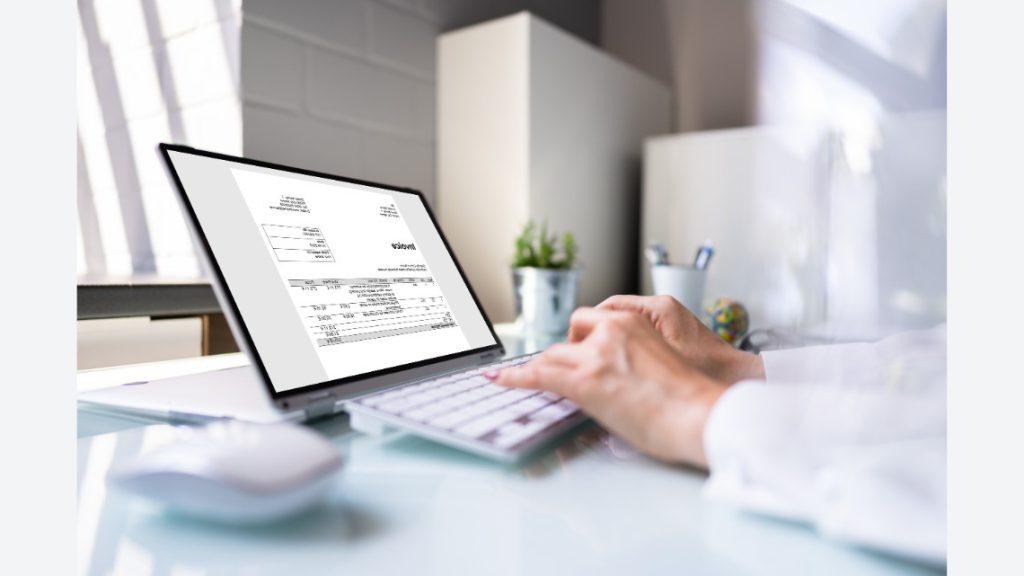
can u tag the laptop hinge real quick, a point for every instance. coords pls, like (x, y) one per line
(319, 409)
(490, 357)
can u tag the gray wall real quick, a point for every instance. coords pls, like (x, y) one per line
(349, 86)
(706, 50)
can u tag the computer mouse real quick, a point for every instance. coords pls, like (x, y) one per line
(235, 472)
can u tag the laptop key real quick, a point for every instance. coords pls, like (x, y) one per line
(533, 403)
(484, 424)
(381, 398)
(522, 393)
(457, 417)
(510, 436)
(424, 413)
(402, 403)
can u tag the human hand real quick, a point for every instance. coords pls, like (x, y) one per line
(698, 346)
(620, 371)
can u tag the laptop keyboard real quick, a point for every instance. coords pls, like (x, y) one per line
(468, 404)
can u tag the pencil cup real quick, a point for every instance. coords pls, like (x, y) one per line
(684, 283)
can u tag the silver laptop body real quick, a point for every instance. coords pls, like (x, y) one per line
(248, 393)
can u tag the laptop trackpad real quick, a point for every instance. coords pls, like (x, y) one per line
(233, 392)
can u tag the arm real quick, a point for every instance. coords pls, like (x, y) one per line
(863, 466)
(863, 462)
(906, 360)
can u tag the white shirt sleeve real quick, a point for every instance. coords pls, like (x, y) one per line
(850, 438)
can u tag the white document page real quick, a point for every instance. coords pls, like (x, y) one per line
(353, 271)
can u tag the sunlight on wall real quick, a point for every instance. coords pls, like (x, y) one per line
(148, 72)
(872, 75)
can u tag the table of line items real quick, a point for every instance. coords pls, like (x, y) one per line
(356, 309)
(298, 243)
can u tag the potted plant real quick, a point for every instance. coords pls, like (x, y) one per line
(545, 279)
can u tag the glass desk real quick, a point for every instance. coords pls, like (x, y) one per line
(402, 505)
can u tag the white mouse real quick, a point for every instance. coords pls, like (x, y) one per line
(233, 471)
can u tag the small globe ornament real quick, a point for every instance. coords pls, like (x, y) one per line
(727, 318)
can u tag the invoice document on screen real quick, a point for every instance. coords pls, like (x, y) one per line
(354, 272)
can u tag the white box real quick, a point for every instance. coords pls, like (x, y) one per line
(535, 123)
(814, 228)
(760, 195)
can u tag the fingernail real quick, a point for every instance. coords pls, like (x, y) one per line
(491, 374)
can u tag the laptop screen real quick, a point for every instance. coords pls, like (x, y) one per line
(332, 279)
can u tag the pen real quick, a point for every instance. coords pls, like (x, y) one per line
(704, 254)
(656, 254)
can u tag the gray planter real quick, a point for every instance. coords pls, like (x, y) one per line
(545, 298)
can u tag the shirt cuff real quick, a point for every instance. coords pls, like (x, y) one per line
(749, 446)
(803, 365)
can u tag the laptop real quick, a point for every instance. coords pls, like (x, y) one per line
(345, 296)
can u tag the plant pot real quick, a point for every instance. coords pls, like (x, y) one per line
(545, 298)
